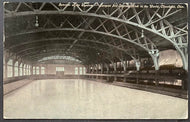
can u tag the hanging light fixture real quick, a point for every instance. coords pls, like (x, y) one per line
(142, 34)
(36, 23)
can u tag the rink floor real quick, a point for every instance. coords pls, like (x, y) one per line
(85, 99)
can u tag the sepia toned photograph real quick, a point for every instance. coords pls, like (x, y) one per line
(94, 60)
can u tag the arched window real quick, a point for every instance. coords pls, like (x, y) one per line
(10, 68)
(80, 70)
(84, 70)
(76, 70)
(20, 67)
(16, 69)
(24, 69)
(99, 66)
(37, 71)
(42, 70)
(34, 70)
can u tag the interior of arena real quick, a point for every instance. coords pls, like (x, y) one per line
(95, 61)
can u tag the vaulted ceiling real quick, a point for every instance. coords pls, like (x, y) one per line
(92, 34)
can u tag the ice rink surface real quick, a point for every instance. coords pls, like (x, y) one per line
(85, 99)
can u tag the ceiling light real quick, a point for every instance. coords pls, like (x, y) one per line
(36, 23)
(142, 34)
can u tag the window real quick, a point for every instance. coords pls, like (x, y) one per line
(10, 68)
(34, 70)
(24, 69)
(80, 70)
(37, 71)
(42, 70)
(118, 63)
(59, 69)
(16, 69)
(99, 66)
(20, 67)
(76, 70)
(84, 70)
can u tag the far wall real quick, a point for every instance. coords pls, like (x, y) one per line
(68, 69)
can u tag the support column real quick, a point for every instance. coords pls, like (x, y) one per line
(34, 70)
(97, 69)
(128, 63)
(40, 70)
(19, 68)
(115, 78)
(25, 69)
(137, 77)
(115, 70)
(22, 69)
(93, 69)
(155, 56)
(156, 77)
(102, 68)
(31, 69)
(124, 66)
(125, 79)
(78, 70)
(107, 78)
(138, 64)
(184, 81)
(107, 68)
(13, 68)
(88, 69)
(183, 51)
(115, 67)
(184, 84)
